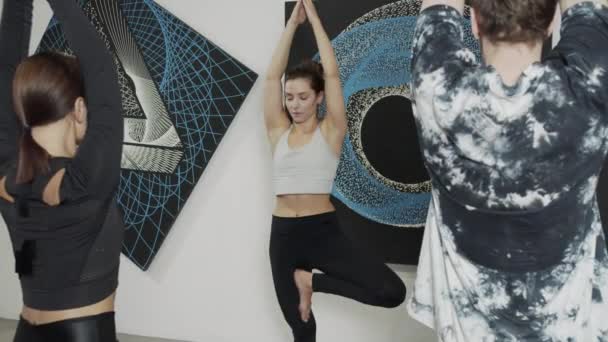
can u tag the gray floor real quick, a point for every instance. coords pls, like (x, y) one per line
(7, 330)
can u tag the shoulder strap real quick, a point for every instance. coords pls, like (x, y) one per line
(283, 143)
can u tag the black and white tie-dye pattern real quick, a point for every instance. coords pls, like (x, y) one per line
(513, 248)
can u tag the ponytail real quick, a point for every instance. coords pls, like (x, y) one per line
(33, 159)
(45, 88)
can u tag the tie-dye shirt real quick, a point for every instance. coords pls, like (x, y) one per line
(513, 248)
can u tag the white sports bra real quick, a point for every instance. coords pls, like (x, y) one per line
(309, 169)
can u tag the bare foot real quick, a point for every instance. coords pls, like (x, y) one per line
(303, 280)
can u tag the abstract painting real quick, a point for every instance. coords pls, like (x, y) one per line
(180, 93)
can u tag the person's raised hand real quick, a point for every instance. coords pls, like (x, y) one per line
(311, 11)
(298, 16)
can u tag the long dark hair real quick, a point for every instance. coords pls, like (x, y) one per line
(45, 88)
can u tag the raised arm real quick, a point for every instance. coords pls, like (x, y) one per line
(274, 112)
(457, 4)
(96, 167)
(334, 97)
(15, 30)
(582, 47)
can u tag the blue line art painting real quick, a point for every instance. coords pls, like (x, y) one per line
(180, 94)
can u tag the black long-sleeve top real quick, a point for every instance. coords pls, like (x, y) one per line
(67, 255)
(14, 39)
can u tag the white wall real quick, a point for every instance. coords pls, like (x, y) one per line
(211, 280)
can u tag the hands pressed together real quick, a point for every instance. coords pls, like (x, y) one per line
(304, 10)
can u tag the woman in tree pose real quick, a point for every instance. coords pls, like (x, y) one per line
(305, 231)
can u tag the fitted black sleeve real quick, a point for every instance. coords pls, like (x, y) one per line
(95, 170)
(15, 30)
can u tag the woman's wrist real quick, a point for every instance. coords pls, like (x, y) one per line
(315, 22)
(292, 24)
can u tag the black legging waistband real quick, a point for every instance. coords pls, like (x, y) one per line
(97, 328)
(305, 219)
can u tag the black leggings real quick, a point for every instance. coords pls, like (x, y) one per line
(99, 328)
(316, 242)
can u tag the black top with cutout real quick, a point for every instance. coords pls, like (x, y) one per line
(67, 256)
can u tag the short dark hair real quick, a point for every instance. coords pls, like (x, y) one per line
(309, 70)
(514, 21)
